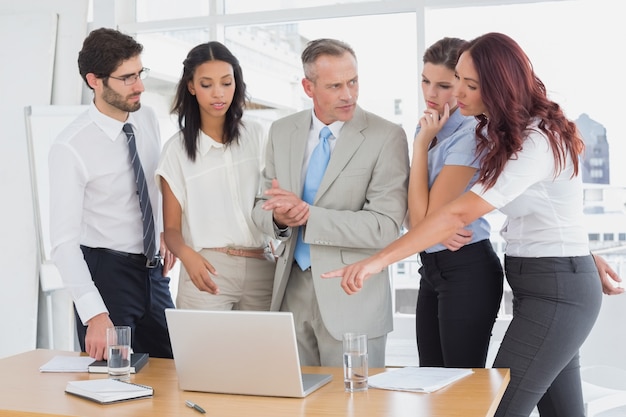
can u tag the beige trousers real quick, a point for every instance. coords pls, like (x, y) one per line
(244, 283)
(316, 347)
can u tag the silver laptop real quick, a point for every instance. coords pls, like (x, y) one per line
(239, 352)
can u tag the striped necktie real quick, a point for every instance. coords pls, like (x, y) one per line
(142, 191)
(314, 174)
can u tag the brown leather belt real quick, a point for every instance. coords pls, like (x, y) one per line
(246, 253)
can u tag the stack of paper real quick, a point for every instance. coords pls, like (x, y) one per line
(416, 379)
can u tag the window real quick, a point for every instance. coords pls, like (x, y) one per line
(270, 58)
(246, 6)
(397, 106)
(273, 71)
(596, 162)
(389, 65)
(550, 58)
(149, 10)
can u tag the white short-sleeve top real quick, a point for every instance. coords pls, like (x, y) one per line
(544, 211)
(217, 191)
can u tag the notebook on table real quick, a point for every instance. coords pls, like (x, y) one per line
(239, 352)
(106, 390)
(137, 361)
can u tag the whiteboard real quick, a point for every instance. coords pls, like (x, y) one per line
(43, 125)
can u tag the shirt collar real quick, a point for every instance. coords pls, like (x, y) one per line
(317, 125)
(110, 126)
(206, 143)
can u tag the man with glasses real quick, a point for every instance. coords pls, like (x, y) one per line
(105, 208)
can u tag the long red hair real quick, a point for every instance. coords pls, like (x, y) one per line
(514, 96)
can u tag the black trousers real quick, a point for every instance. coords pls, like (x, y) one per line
(135, 296)
(457, 305)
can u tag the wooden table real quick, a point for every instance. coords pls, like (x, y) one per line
(24, 391)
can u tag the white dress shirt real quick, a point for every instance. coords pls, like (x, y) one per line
(217, 191)
(93, 196)
(544, 211)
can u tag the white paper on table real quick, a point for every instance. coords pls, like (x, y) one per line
(67, 364)
(417, 379)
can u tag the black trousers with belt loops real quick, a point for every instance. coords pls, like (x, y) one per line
(135, 296)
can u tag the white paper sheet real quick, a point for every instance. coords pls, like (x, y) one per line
(416, 379)
(67, 364)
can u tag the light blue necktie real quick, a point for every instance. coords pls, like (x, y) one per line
(314, 174)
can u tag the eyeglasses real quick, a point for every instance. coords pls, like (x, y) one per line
(132, 79)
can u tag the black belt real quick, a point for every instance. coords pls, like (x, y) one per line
(135, 257)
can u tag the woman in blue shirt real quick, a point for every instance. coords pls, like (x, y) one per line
(461, 278)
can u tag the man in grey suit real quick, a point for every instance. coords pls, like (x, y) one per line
(357, 208)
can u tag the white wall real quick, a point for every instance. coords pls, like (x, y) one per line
(39, 42)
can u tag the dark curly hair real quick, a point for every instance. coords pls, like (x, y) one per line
(104, 50)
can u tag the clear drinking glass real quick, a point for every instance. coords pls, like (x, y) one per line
(355, 362)
(118, 349)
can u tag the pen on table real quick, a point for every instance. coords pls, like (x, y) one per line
(195, 406)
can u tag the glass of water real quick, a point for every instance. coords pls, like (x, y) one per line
(355, 362)
(118, 350)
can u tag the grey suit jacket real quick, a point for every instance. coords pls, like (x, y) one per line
(359, 208)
